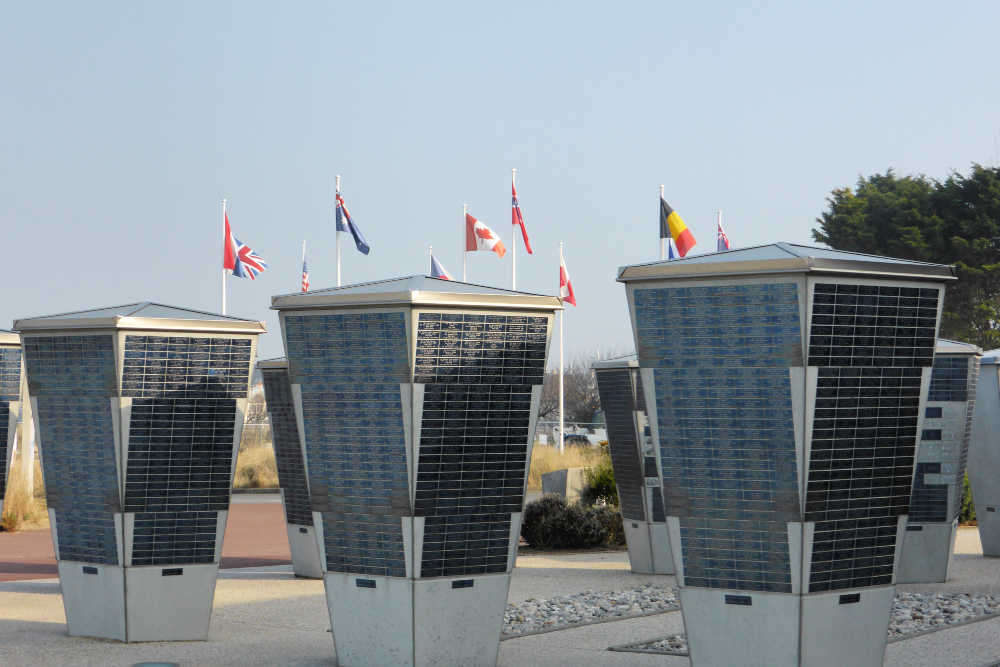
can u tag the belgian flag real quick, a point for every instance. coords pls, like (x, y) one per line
(672, 226)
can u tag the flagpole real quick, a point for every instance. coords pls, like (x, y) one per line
(465, 253)
(513, 241)
(225, 240)
(663, 241)
(562, 321)
(337, 227)
(303, 264)
(430, 255)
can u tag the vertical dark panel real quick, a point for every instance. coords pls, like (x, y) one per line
(721, 358)
(73, 378)
(180, 447)
(287, 446)
(963, 454)
(615, 388)
(869, 342)
(350, 367)
(478, 372)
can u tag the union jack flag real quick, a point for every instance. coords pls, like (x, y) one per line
(238, 257)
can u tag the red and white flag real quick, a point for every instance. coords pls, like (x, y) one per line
(565, 286)
(480, 237)
(722, 241)
(515, 215)
(305, 270)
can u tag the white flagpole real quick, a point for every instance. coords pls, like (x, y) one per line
(513, 243)
(562, 324)
(430, 256)
(465, 253)
(223, 257)
(663, 241)
(337, 233)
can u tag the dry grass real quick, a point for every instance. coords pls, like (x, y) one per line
(256, 468)
(546, 458)
(23, 510)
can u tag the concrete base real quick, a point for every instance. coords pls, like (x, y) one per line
(305, 551)
(785, 630)
(988, 518)
(388, 621)
(926, 554)
(169, 603)
(94, 599)
(648, 547)
(138, 604)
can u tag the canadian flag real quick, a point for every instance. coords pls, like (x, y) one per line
(565, 286)
(480, 237)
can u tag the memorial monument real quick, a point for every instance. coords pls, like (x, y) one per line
(784, 386)
(10, 402)
(984, 454)
(418, 399)
(139, 411)
(291, 469)
(936, 498)
(635, 463)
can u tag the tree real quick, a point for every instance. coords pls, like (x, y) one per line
(955, 221)
(580, 397)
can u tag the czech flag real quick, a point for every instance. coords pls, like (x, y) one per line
(438, 271)
(672, 226)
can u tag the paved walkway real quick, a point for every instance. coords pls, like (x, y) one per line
(265, 616)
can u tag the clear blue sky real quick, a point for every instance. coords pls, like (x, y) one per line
(123, 125)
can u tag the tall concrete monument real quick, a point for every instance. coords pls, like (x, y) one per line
(984, 454)
(417, 399)
(785, 385)
(290, 460)
(139, 411)
(936, 498)
(635, 462)
(10, 402)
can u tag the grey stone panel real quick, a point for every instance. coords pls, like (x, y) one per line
(73, 379)
(287, 447)
(616, 389)
(478, 371)
(727, 444)
(350, 367)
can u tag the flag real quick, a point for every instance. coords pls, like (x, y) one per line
(346, 224)
(438, 271)
(565, 286)
(480, 237)
(722, 241)
(516, 218)
(305, 275)
(672, 226)
(239, 258)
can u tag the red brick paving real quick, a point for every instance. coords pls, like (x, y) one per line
(255, 536)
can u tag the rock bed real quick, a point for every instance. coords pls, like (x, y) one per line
(912, 613)
(534, 615)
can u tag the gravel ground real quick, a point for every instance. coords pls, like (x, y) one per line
(912, 613)
(536, 615)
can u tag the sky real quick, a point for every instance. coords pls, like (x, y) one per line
(124, 125)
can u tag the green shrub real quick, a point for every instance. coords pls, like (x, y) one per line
(968, 512)
(551, 523)
(611, 518)
(601, 485)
